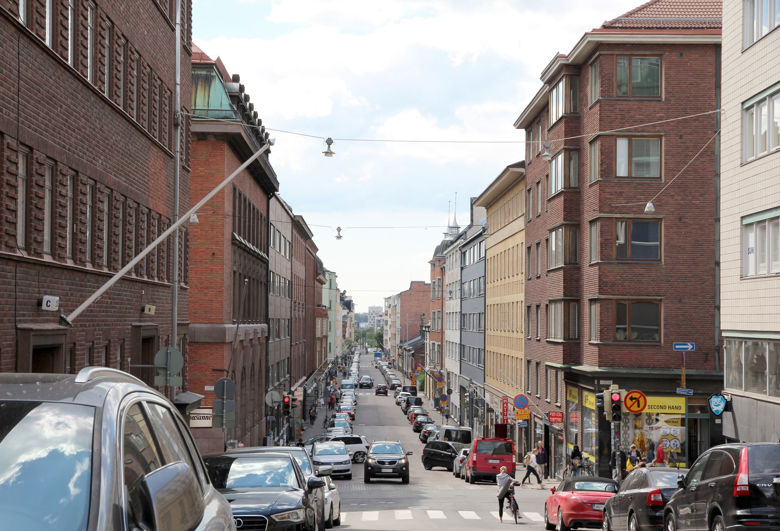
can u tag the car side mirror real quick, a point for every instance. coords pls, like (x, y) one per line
(324, 470)
(173, 497)
(409, 453)
(314, 483)
(681, 481)
(552, 489)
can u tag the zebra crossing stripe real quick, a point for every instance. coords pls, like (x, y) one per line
(469, 515)
(536, 517)
(370, 516)
(436, 515)
(344, 517)
(403, 514)
(495, 515)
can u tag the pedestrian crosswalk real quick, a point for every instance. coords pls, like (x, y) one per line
(428, 514)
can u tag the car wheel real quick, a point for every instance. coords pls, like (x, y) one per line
(561, 524)
(718, 524)
(633, 524)
(329, 521)
(359, 457)
(405, 478)
(669, 522)
(471, 479)
(337, 520)
(427, 465)
(547, 524)
(367, 478)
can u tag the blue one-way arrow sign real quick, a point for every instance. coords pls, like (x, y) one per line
(690, 346)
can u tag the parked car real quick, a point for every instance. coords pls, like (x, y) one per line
(460, 460)
(409, 402)
(420, 421)
(401, 397)
(411, 389)
(357, 446)
(304, 461)
(366, 382)
(386, 459)
(381, 389)
(332, 503)
(334, 454)
(99, 450)
(639, 503)
(414, 413)
(487, 456)
(429, 432)
(730, 486)
(308, 444)
(267, 489)
(340, 423)
(438, 453)
(349, 409)
(395, 383)
(578, 502)
(459, 436)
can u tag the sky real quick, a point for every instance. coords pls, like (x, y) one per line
(375, 76)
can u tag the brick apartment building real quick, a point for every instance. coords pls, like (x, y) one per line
(280, 294)
(305, 276)
(320, 314)
(434, 359)
(612, 284)
(229, 258)
(86, 181)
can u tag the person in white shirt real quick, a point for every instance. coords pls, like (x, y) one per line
(532, 468)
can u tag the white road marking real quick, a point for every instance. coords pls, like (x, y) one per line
(436, 515)
(370, 516)
(536, 517)
(469, 515)
(495, 514)
(403, 514)
(344, 517)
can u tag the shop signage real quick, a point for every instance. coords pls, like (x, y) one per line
(201, 418)
(504, 409)
(572, 395)
(589, 400)
(670, 405)
(555, 416)
(521, 401)
(635, 401)
(717, 404)
(522, 424)
(522, 414)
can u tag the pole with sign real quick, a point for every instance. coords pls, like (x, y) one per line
(688, 346)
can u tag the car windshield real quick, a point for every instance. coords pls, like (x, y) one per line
(45, 454)
(764, 460)
(598, 486)
(387, 448)
(330, 449)
(494, 447)
(421, 418)
(664, 479)
(244, 472)
(302, 459)
(458, 436)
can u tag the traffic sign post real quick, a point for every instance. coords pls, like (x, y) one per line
(521, 402)
(686, 346)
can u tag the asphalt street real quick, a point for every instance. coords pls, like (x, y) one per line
(434, 499)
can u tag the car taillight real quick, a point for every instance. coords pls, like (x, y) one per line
(742, 483)
(655, 498)
(367, 447)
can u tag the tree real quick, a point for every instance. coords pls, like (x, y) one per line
(379, 338)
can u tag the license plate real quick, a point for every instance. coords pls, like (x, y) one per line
(493, 461)
(598, 506)
(387, 470)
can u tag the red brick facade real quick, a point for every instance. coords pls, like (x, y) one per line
(415, 309)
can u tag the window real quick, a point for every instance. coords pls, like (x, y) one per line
(595, 81)
(107, 230)
(528, 321)
(122, 73)
(23, 11)
(538, 258)
(593, 167)
(538, 321)
(637, 321)
(638, 157)
(90, 220)
(638, 76)
(70, 228)
(594, 241)
(71, 33)
(761, 244)
(22, 180)
(529, 144)
(761, 124)
(49, 21)
(563, 172)
(538, 198)
(637, 240)
(548, 382)
(593, 320)
(91, 43)
(760, 17)
(556, 99)
(530, 211)
(562, 320)
(538, 378)
(538, 137)
(48, 206)
(556, 174)
(107, 52)
(562, 246)
(140, 457)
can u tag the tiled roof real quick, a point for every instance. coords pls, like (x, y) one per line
(671, 15)
(199, 56)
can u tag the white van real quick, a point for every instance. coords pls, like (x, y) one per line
(459, 436)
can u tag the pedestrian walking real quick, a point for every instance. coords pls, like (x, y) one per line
(541, 458)
(660, 457)
(321, 402)
(617, 463)
(331, 402)
(532, 466)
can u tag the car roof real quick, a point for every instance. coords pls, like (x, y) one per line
(568, 481)
(253, 452)
(89, 387)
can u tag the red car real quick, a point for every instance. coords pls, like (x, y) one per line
(486, 457)
(578, 502)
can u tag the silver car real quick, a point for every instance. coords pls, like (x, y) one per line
(333, 454)
(332, 503)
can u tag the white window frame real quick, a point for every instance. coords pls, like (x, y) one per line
(49, 21)
(89, 221)
(624, 150)
(556, 101)
(593, 155)
(108, 49)
(761, 244)
(556, 174)
(593, 320)
(767, 103)
(760, 17)
(23, 11)
(595, 81)
(71, 32)
(594, 241)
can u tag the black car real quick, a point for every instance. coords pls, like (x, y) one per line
(266, 490)
(731, 486)
(304, 461)
(366, 382)
(381, 389)
(439, 453)
(639, 504)
(99, 450)
(420, 421)
(386, 459)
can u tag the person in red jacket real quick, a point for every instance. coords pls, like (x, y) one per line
(660, 458)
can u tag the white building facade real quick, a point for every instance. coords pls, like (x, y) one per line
(452, 320)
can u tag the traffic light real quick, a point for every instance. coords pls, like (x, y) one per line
(600, 403)
(286, 404)
(616, 405)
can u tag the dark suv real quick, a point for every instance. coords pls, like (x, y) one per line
(386, 459)
(731, 486)
(105, 451)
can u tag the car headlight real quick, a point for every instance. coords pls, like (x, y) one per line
(318, 462)
(372, 460)
(296, 515)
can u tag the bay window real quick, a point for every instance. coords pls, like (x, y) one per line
(637, 321)
(562, 246)
(637, 239)
(563, 171)
(562, 320)
(638, 157)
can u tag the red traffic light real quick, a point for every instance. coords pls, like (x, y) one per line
(616, 397)
(286, 399)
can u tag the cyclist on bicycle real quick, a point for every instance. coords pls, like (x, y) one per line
(576, 461)
(506, 485)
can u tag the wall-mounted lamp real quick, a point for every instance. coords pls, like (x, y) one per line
(649, 208)
(329, 152)
(546, 155)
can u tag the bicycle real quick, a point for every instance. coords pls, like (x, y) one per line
(511, 504)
